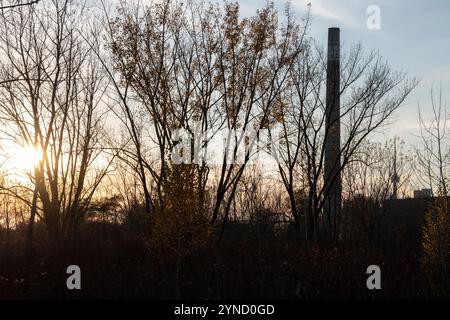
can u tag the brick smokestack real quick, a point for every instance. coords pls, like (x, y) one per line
(332, 176)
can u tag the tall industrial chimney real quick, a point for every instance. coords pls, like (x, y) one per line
(332, 176)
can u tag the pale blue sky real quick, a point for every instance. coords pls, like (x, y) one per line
(414, 36)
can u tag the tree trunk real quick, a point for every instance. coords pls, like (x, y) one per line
(30, 232)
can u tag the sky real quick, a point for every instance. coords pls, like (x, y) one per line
(414, 36)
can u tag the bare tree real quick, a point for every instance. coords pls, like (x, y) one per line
(433, 152)
(377, 172)
(55, 106)
(370, 93)
(201, 65)
(432, 170)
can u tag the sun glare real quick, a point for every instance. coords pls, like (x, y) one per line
(26, 158)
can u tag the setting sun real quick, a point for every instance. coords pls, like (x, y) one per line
(26, 158)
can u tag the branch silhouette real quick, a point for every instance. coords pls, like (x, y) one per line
(21, 4)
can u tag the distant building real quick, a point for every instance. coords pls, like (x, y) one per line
(404, 220)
